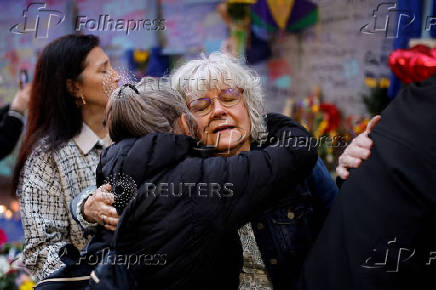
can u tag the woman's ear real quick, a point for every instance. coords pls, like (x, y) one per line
(73, 88)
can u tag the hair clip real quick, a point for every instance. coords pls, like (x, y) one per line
(130, 86)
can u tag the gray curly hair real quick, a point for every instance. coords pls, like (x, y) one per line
(220, 70)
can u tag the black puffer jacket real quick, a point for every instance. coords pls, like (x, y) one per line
(190, 232)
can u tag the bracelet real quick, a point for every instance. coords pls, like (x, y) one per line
(80, 207)
(16, 114)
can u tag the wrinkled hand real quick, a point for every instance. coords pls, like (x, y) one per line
(21, 99)
(357, 151)
(98, 208)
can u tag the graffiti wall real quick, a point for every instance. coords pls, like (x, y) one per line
(333, 55)
(27, 26)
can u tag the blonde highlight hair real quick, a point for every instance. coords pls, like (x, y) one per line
(135, 110)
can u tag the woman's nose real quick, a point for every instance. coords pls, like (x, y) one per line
(116, 76)
(218, 109)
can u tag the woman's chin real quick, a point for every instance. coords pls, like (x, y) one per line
(227, 147)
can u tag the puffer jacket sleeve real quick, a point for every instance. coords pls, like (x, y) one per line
(250, 176)
(245, 180)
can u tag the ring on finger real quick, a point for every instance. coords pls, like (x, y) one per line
(103, 218)
(107, 198)
(102, 189)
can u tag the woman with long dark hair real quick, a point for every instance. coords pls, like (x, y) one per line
(64, 137)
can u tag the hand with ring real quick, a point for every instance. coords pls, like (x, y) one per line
(103, 218)
(98, 208)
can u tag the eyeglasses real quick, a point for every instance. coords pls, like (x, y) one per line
(227, 97)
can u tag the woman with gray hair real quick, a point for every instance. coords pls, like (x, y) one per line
(180, 230)
(219, 73)
(226, 100)
(164, 108)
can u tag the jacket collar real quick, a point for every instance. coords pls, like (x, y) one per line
(87, 139)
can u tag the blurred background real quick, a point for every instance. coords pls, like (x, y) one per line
(323, 62)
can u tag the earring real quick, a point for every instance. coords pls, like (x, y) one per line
(83, 100)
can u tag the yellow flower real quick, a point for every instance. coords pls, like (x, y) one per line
(28, 285)
(360, 128)
(322, 126)
(140, 55)
(371, 82)
(384, 83)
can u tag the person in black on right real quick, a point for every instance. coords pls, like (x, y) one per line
(380, 232)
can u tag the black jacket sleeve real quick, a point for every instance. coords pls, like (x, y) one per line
(10, 131)
(250, 176)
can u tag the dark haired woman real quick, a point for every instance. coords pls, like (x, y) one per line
(64, 138)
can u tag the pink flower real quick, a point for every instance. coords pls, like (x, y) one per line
(3, 237)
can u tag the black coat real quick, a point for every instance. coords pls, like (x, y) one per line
(10, 131)
(381, 230)
(192, 239)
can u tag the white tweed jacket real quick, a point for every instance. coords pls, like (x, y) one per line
(48, 182)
